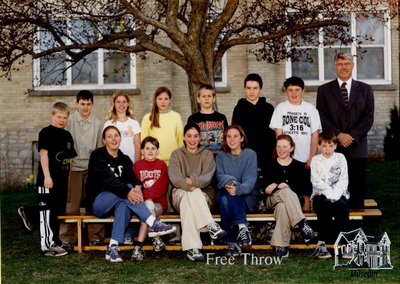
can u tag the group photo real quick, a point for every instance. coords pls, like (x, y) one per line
(167, 142)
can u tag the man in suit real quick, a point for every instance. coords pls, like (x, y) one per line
(348, 111)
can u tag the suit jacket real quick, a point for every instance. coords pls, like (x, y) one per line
(356, 119)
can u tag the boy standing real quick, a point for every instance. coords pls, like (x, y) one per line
(153, 173)
(211, 122)
(329, 178)
(253, 114)
(86, 132)
(56, 148)
(301, 121)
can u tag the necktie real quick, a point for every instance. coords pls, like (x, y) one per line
(345, 94)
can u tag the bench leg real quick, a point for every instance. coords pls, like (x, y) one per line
(79, 232)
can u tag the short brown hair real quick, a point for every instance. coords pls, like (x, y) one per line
(326, 136)
(151, 140)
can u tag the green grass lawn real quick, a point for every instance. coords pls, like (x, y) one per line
(22, 262)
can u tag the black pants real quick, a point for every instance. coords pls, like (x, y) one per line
(357, 168)
(50, 204)
(333, 217)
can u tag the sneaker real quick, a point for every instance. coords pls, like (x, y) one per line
(307, 233)
(112, 254)
(244, 237)
(24, 218)
(69, 247)
(55, 250)
(321, 252)
(195, 255)
(158, 244)
(128, 240)
(233, 250)
(282, 252)
(215, 231)
(159, 228)
(138, 253)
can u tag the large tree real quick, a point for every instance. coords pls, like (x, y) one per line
(194, 34)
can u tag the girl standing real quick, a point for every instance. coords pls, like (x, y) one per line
(164, 124)
(120, 115)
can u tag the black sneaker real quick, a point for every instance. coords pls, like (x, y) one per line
(321, 252)
(215, 231)
(195, 255)
(233, 250)
(244, 237)
(24, 218)
(55, 250)
(159, 228)
(69, 247)
(282, 252)
(307, 233)
(138, 253)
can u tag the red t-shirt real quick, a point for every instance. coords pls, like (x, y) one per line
(154, 176)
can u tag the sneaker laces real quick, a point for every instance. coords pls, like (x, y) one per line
(243, 234)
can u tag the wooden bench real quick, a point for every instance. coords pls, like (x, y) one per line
(82, 219)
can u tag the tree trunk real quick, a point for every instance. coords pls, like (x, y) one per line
(193, 86)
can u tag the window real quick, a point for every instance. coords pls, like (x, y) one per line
(373, 66)
(101, 69)
(221, 76)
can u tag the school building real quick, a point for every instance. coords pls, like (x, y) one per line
(27, 99)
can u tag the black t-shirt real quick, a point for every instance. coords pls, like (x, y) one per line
(212, 127)
(60, 146)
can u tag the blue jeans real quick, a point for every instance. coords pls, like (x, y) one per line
(233, 212)
(106, 201)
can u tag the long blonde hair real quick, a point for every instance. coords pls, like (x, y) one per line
(112, 112)
(155, 113)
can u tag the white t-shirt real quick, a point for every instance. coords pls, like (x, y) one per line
(299, 122)
(128, 130)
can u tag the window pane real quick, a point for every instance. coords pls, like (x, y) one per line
(116, 68)
(329, 56)
(218, 73)
(51, 70)
(370, 30)
(370, 64)
(82, 31)
(85, 71)
(307, 67)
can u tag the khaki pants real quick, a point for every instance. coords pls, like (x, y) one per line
(287, 213)
(194, 208)
(76, 190)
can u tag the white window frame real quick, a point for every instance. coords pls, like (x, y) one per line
(387, 55)
(100, 65)
(224, 72)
